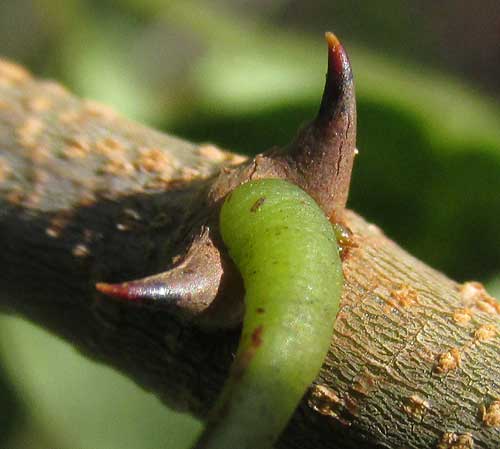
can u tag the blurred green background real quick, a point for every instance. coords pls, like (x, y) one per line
(245, 74)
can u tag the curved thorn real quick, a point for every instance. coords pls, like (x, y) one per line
(192, 285)
(160, 289)
(323, 152)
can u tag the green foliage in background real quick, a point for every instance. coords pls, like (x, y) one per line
(428, 171)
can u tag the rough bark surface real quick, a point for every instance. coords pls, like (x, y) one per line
(86, 196)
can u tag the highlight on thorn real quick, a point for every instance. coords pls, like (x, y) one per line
(191, 285)
(148, 289)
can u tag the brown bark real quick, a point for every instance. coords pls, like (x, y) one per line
(86, 196)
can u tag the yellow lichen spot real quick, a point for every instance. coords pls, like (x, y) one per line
(462, 316)
(153, 160)
(475, 295)
(29, 131)
(160, 181)
(78, 148)
(74, 152)
(81, 250)
(416, 407)
(487, 307)
(5, 170)
(448, 361)
(188, 173)
(471, 291)
(109, 146)
(452, 440)
(69, 116)
(13, 73)
(38, 103)
(212, 153)
(485, 332)
(491, 414)
(97, 109)
(324, 401)
(118, 167)
(405, 296)
(78, 141)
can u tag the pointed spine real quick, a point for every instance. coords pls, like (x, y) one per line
(323, 152)
(191, 289)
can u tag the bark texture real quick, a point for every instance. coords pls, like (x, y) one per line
(88, 196)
